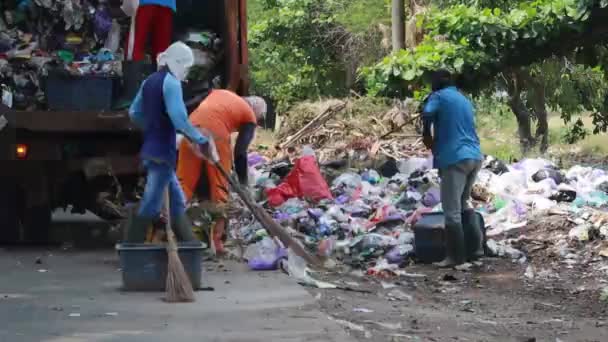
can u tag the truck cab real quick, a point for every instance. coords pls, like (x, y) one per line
(88, 160)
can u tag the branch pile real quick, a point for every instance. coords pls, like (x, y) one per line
(362, 128)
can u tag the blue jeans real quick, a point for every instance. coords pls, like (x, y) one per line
(159, 176)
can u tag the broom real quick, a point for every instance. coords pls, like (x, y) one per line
(178, 287)
(265, 220)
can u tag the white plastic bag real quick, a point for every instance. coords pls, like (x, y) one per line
(130, 7)
(113, 40)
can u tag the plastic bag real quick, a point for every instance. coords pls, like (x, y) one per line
(113, 40)
(296, 268)
(399, 254)
(543, 174)
(410, 165)
(304, 181)
(371, 176)
(349, 180)
(129, 7)
(432, 197)
(264, 255)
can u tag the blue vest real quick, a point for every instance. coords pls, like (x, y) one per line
(160, 135)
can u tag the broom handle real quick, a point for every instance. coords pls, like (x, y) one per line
(267, 221)
(171, 242)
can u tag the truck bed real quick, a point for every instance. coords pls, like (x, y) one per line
(68, 121)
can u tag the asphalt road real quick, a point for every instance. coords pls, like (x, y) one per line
(73, 294)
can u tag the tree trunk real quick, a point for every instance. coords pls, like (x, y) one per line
(524, 127)
(398, 23)
(540, 110)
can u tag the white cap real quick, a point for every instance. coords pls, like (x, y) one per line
(258, 105)
(178, 58)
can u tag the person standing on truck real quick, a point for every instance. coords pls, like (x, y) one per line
(159, 110)
(219, 115)
(149, 19)
(457, 156)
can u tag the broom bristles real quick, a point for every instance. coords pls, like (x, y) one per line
(179, 289)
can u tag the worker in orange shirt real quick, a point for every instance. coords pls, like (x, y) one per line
(219, 115)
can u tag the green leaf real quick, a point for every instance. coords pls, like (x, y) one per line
(458, 63)
(409, 75)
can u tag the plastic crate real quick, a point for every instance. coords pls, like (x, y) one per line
(79, 93)
(144, 266)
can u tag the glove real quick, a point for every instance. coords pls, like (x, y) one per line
(209, 152)
(206, 150)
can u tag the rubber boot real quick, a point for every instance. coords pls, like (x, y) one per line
(473, 235)
(455, 249)
(182, 227)
(136, 228)
(133, 76)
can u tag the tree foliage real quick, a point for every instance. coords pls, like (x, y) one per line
(529, 45)
(481, 42)
(305, 49)
(289, 62)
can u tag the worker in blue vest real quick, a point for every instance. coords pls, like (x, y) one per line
(159, 110)
(457, 156)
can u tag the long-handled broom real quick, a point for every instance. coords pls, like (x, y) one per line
(271, 226)
(178, 287)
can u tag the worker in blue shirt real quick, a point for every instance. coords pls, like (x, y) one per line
(159, 110)
(457, 156)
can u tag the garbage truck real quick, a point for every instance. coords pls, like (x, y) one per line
(84, 160)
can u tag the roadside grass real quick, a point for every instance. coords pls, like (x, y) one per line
(499, 138)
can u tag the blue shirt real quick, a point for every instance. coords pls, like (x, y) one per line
(453, 119)
(165, 3)
(159, 110)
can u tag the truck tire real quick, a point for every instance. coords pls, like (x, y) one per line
(36, 222)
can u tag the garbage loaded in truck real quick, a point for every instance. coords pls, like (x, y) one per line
(64, 143)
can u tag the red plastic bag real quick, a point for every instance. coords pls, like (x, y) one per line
(303, 181)
(280, 194)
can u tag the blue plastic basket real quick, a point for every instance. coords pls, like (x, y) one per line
(144, 266)
(79, 93)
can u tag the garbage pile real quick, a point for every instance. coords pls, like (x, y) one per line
(39, 37)
(75, 38)
(364, 218)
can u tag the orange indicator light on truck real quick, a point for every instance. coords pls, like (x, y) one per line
(21, 151)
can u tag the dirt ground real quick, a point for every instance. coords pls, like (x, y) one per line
(491, 302)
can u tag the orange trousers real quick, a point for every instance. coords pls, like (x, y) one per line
(189, 167)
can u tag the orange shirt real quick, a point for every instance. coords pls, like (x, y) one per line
(222, 112)
(219, 115)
